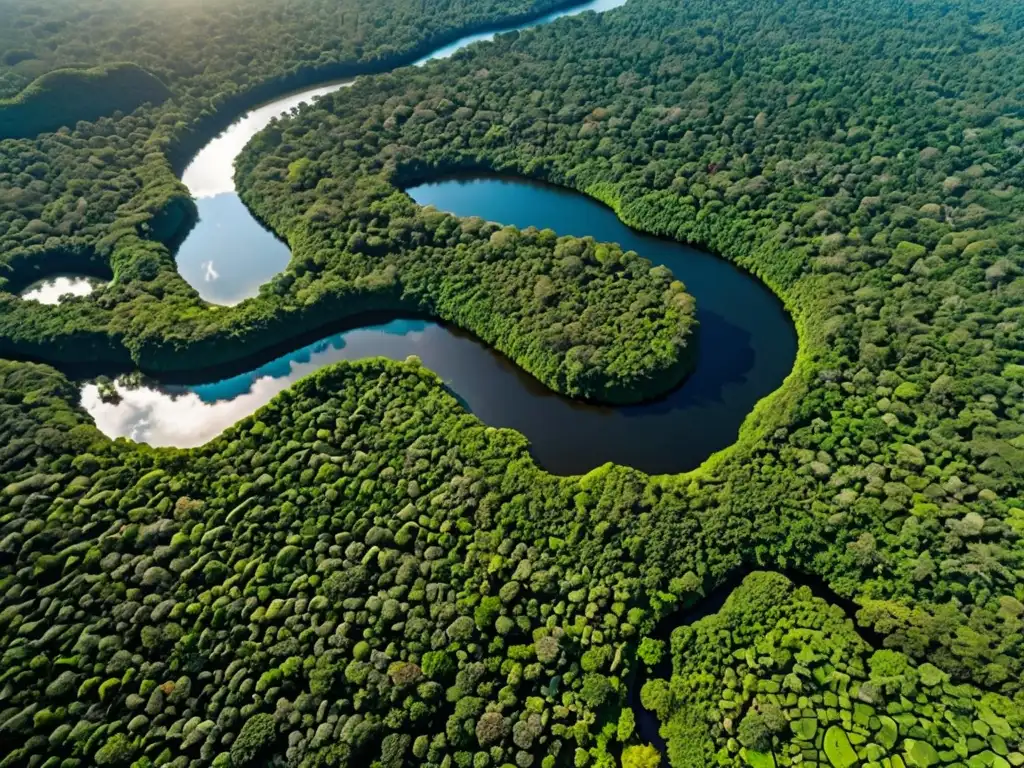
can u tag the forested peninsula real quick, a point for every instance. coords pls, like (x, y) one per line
(364, 574)
(559, 309)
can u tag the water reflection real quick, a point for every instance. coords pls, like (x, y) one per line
(188, 416)
(228, 254)
(598, 6)
(54, 289)
(746, 347)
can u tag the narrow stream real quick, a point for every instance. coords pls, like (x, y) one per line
(647, 724)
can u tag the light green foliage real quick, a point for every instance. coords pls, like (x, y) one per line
(837, 748)
(920, 754)
(844, 707)
(640, 756)
(756, 759)
(485, 614)
(626, 725)
(650, 651)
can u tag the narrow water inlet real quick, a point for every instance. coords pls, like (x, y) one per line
(53, 289)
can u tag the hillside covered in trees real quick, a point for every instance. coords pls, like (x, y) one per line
(213, 54)
(65, 96)
(364, 574)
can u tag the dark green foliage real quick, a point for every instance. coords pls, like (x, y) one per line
(863, 158)
(254, 738)
(585, 319)
(265, 603)
(885, 213)
(881, 211)
(66, 96)
(276, 647)
(759, 725)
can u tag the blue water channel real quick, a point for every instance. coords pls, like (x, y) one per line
(228, 255)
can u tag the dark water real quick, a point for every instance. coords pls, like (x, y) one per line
(747, 346)
(228, 255)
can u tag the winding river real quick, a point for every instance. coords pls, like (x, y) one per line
(228, 255)
(747, 342)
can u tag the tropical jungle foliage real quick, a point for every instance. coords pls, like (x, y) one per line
(878, 200)
(559, 309)
(363, 574)
(778, 677)
(65, 96)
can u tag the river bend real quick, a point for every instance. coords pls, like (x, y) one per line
(747, 342)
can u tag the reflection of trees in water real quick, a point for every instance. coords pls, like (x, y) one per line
(108, 391)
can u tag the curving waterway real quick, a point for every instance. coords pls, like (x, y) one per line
(228, 255)
(747, 342)
(747, 346)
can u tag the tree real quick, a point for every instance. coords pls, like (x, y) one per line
(626, 725)
(491, 728)
(640, 756)
(650, 651)
(255, 737)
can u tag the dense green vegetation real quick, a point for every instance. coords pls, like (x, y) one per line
(63, 97)
(561, 309)
(206, 51)
(884, 212)
(363, 574)
(584, 318)
(360, 572)
(779, 678)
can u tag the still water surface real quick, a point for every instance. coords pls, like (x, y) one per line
(53, 289)
(228, 255)
(747, 346)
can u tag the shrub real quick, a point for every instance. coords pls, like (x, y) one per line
(255, 738)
